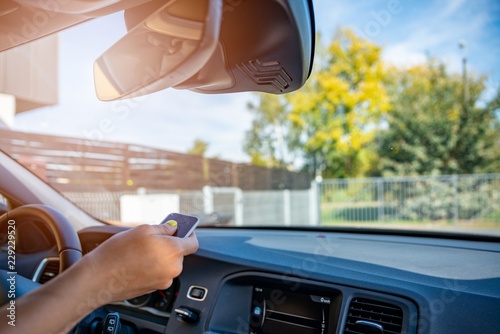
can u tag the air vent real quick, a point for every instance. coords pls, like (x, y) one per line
(48, 269)
(368, 316)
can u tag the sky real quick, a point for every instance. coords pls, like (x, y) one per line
(407, 30)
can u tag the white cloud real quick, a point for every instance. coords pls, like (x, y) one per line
(403, 55)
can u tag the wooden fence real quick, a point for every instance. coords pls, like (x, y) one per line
(76, 164)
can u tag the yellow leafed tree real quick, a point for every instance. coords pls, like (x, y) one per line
(337, 114)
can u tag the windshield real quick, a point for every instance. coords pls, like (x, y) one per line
(396, 128)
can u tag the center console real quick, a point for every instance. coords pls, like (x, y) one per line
(274, 310)
(264, 303)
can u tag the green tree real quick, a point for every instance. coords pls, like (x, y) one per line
(432, 130)
(493, 154)
(331, 122)
(270, 142)
(199, 147)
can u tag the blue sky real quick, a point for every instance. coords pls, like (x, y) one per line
(408, 30)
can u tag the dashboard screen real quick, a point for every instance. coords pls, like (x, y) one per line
(277, 311)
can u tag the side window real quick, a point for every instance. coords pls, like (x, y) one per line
(3, 205)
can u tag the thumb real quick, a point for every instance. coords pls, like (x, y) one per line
(169, 227)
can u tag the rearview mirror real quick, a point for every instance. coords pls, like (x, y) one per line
(210, 46)
(166, 48)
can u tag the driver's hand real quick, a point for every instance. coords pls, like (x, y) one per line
(138, 261)
(129, 264)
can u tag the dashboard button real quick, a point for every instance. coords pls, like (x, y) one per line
(197, 293)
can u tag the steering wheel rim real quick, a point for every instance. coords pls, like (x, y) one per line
(68, 243)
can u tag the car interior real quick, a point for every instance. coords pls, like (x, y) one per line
(243, 279)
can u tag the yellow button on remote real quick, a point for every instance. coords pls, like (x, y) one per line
(172, 222)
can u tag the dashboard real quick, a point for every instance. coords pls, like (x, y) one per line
(244, 280)
(290, 281)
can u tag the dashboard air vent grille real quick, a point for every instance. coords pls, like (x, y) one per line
(364, 311)
(50, 271)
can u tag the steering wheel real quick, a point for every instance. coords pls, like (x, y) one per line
(68, 243)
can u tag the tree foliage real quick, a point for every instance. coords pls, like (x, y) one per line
(432, 130)
(199, 147)
(269, 142)
(337, 115)
(330, 122)
(357, 117)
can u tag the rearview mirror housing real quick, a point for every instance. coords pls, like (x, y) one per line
(210, 46)
(167, 47)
